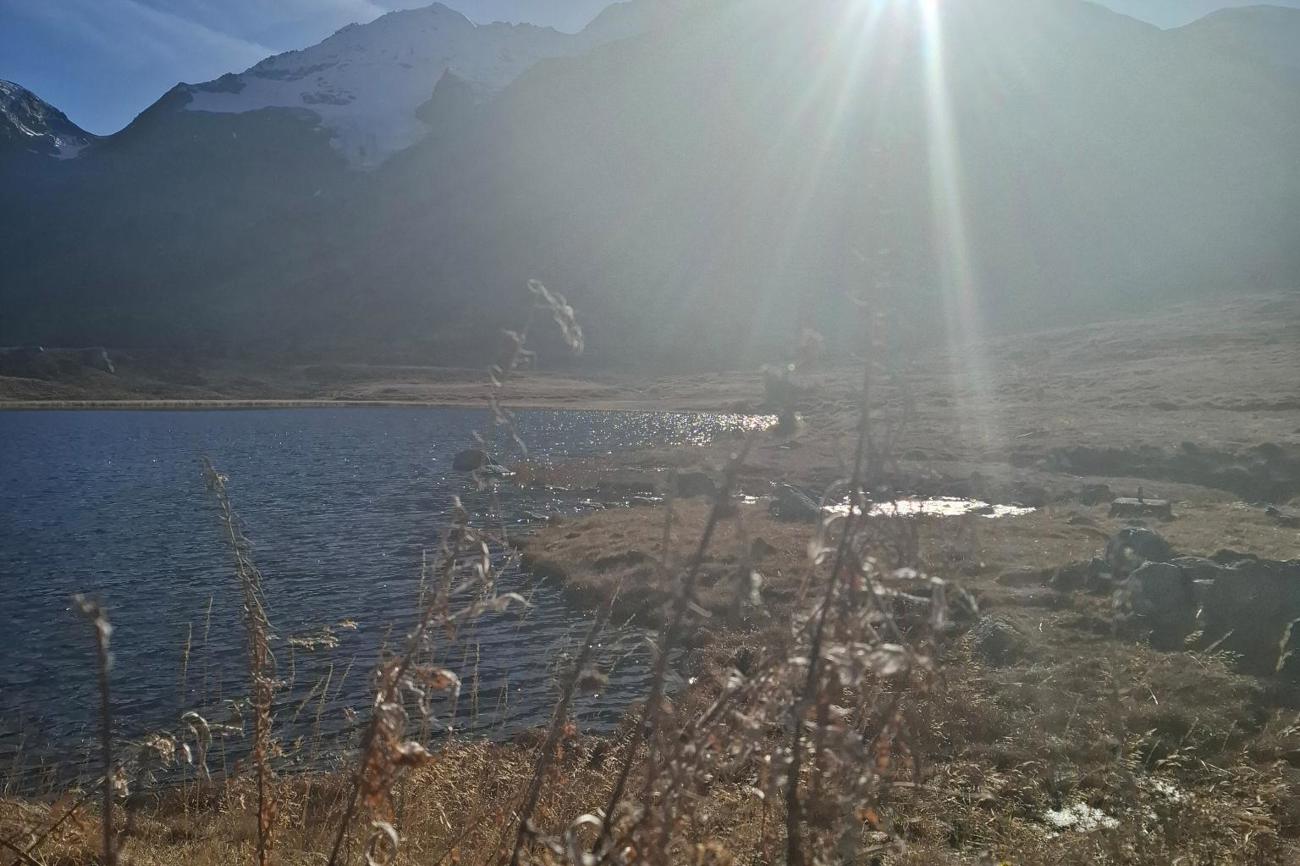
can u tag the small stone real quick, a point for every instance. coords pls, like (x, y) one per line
(1161, 509)
(791, 503)
(997, 641)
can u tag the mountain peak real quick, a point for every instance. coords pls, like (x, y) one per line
(367, 82)
(29, 123)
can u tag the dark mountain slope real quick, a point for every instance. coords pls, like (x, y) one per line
(718, 186)
(702, 193)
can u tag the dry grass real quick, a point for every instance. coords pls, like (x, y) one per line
(590, 556)
(1080, 715)
(454, 808)
(621, 549)
(1191, 758)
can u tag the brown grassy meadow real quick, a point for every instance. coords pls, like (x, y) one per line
(870, 690)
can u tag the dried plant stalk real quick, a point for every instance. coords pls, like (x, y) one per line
(857, 508)
(103, 630)
(261, 663)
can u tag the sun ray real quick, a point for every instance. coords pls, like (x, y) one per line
(856, 47)
(972, 377)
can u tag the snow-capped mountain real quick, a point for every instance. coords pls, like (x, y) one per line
(694, 191)
(29, 123)
(367, 82)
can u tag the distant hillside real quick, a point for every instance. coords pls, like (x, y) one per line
(1266, 34)
(1176, 13)
(702, 191)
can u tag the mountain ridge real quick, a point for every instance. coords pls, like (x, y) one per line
(699, 192)
(1169, 14)
(366, 81)
(29, 123)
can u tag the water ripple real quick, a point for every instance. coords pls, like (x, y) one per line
(339, 504)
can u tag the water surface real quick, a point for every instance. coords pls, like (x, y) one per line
(340, 504)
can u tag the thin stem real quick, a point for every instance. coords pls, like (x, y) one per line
(99, 620)
(260, 661)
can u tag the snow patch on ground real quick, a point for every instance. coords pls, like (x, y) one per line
(936, 506)
(1079, 817)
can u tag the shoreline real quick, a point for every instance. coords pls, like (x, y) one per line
(166, 405)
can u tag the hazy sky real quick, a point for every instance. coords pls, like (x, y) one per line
(104, 61)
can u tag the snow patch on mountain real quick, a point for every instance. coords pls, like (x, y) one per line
(28, 122)
(367, 81)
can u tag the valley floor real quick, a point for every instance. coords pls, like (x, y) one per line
(1055, 734)
(143, 381)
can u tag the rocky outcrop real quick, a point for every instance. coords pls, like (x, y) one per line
(1239, 603)
(1163, 601)
(1266, 472)
(1127, 506)
(1287, 517)
(1133, 546)
(1249, 608)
